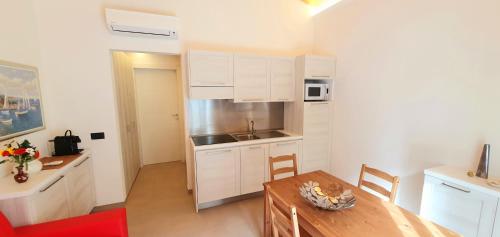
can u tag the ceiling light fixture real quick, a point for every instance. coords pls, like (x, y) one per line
(317, 6)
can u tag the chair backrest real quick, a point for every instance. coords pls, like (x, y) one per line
(394, 180)
(6, 229)
(281, 224)
(278, 159)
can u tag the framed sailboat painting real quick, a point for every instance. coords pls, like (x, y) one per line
(21, 109)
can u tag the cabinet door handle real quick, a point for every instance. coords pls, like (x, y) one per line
(322, 103)
(319, 76)
(248, 100)
(254, 147)
(47, 188)
(218, 152)
(286, 144)
(88, 157)
(453, 187)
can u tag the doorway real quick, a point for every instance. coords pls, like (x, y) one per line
(158, 115)
(150, 100)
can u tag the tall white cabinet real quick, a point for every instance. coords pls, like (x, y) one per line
(463, 204)
(313, 120)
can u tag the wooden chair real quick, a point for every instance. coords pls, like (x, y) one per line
(377, 188)
(281, 224)
(282, 170)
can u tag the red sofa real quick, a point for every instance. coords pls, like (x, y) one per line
(104, 224)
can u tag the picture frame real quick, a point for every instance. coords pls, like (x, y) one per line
(21, 107)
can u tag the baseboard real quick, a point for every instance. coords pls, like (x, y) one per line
(108, 207)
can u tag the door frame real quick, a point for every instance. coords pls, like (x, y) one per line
(180, 102)
(184, 97)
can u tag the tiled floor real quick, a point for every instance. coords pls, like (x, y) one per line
(159, 205)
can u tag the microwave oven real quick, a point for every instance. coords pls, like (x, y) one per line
(316, 91)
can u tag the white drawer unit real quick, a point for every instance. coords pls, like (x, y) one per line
(457, 205)
(208, 68)
(282, 79)
(81, 189)
(51, 202)
(253, 167)
(285, 148)
(50, 195)
(318, 67)
(317, 137)
(217, 174)
(251, 78)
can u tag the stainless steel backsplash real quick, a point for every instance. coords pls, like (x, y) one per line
(224, 116)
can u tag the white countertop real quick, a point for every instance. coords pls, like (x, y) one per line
(460, 177)
(10, 189)
(290, 137)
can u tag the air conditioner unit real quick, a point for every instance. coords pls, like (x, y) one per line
(142, 24)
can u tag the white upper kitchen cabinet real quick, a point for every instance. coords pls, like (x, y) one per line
(251, 78)
(217, 174)
(318, 67)
(210, 69)
(282, 78)
(253, 167)
(317, 137)
(458, 202)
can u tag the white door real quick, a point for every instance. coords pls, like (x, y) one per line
(468, 212)
(158, 113)
(282, 79)
(253, 167)
(251, 79)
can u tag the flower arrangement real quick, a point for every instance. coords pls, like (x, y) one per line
(21, 154)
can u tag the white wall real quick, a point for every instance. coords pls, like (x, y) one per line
(75, 52)
(417, 86)
(19, 44)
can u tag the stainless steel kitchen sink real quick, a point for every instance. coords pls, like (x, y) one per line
(245, 136)
(258, 135)
(270, 134)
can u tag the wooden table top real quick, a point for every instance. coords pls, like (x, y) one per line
(370, 216)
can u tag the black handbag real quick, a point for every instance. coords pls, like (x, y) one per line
(67, 144)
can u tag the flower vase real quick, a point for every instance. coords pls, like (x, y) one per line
(21, 176)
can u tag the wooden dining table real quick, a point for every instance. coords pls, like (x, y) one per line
(370, 217)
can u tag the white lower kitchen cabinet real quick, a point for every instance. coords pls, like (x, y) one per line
(217, 174)
(237, 168)
(463, 204)
(285, 148)
(253, 167)
(51, 194)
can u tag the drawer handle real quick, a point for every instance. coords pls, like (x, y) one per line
(286, 144)
(254, 147)
(218, 152)
(45, 189)
(322, 103)
(453, 187)
(81, 162)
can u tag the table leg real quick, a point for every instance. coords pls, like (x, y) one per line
(267, 215)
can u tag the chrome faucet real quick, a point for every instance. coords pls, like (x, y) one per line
(252, 129)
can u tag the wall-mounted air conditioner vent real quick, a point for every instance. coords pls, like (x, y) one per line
(142, 24)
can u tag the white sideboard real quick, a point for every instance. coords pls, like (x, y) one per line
(467, 205)
(50, 194)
